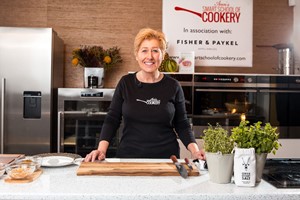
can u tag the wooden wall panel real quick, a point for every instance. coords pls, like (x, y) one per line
(115, 22)
(106, 23)
(23, 13)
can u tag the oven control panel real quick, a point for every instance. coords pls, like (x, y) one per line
(91, 94)
(225, 79)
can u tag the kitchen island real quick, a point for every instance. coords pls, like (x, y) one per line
(63, 183)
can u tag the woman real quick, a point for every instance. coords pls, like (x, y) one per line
(152, 106)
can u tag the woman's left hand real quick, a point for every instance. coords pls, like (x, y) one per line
(199, 155)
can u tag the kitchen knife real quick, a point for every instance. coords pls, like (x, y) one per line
(180, 168)
(188, 163)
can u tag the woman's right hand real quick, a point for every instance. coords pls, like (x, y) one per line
(94, 155)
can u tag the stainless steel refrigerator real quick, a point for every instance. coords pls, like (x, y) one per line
(31, 70)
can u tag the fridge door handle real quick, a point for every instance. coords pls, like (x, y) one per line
(2, 115)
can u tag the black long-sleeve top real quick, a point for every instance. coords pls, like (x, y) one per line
(154, 115)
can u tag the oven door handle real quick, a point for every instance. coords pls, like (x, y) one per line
(225, 90)
(97, 113)
(85, 113)
(279, 91)
(75, 112)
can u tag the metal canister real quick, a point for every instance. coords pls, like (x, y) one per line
(285, 58)
(286, 61)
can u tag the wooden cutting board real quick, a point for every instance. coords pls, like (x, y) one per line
(132, 169)
(29, 179)
(8, 158)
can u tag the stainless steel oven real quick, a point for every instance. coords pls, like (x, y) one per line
(224, 99)
(278, 98)
(81, 113)
(228, 98)
(186, 82)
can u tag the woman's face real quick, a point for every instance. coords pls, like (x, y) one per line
(149, 55)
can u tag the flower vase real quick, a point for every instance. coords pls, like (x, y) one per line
(93, 77)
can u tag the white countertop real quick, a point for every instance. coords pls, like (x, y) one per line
(63, 183)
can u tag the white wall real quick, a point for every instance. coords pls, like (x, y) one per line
(289, 149)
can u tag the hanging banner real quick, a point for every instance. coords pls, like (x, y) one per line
(218, 31)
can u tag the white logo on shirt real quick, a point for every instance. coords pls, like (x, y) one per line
(152, 101)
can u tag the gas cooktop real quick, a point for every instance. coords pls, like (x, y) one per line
(282, 173)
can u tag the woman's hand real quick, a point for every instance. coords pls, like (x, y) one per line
(199, 155)
(196, 153)
(94, 155)
(98, 154)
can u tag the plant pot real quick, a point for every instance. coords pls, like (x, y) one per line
(260, 164)
(220, 167)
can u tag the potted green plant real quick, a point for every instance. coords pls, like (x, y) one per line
(219, 157)
(264, 139)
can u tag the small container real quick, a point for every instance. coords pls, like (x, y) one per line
(20, 171)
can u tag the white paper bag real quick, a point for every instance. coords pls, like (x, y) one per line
(244, 167)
